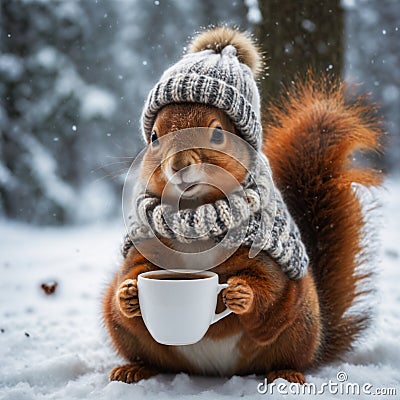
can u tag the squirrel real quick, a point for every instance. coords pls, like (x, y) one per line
(279, 327)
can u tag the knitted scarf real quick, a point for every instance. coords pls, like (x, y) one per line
(254, 216)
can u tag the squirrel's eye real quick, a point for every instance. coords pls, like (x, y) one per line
(154, 139)
(217, 136)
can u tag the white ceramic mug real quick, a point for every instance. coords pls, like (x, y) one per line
(179, 311)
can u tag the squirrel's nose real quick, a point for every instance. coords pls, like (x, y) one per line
(174, 168)
(179, 164)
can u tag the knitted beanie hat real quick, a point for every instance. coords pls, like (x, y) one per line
(219, 70)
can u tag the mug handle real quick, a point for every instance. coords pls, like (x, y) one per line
(224, 313)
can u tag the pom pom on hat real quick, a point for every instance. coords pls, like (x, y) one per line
(219, 38)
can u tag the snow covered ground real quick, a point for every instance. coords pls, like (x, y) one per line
(54, 346)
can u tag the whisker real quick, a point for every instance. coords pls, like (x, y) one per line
(113, 175)
(128, 157)
(126, 161)
(110, 164)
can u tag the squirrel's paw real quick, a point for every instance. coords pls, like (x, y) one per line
(238, 296)
(288, 374)
(128, 300)
(131, 373)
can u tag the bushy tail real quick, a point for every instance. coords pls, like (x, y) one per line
(310, 136)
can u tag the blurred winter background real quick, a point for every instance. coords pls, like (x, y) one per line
(74, 76)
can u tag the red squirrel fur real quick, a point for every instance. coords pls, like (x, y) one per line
(279, 327)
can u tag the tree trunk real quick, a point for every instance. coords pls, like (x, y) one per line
(296, 36)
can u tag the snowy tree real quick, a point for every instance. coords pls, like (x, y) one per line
(373, 59)
(296, 36)
(46, 89)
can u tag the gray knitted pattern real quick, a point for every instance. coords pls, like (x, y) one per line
(259, 219)
(219, 80)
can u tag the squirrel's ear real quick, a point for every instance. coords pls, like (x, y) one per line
(218, 38)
